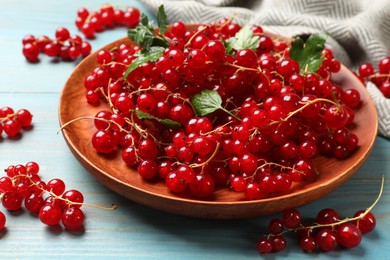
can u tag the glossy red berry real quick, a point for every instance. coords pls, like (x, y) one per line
(348, 235)
(365, 224)
(2, 220)
(264, 246)
(72, 198)
(326, 239)
(50, 215)
(72, 218)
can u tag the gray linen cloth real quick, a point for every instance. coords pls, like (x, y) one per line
(359, 29)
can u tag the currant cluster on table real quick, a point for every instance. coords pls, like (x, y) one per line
(327, 232)
(63, 45)
(278, 120)
(12, 122)
(380, 77)
(53, 204)
(107, 17)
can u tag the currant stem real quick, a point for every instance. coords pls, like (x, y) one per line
(91, 117)
(379, 76)
(139, 130)
(282, 167)
(308, 103)
(195, 34)
(230, 113)
(196, 165)
(216, 129)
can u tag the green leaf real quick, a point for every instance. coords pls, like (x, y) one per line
(162, 19)
(229, 45)
(144, 35)
(244, 39)
(152, 55)
(308, 54)
(144, 20)
(167, 122)
(206, 102)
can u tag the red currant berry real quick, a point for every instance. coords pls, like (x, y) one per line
(327, 216)
(33, 202)
(202, 185)
(32, 168)
(264, 246)
(56, 186)
(278, 243)
(275, 226)
(50, 215)
(348, 235)
(12, 201)
(2, 220)
(72, 218)
(103, 141)
(326, 239)
(291, 218)
(365, 224)
(148, 169)
(72, 198)
(308, 244)
(175, 183)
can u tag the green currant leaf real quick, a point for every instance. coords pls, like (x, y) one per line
(229, 45)
(162, 19)
(144, 34)
(206, 102)
(308, 54)
(244, 39)
(144, 20)
(167, 122)
(153, 54)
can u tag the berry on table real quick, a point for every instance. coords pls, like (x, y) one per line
(53, 205)
(12, 122)
(106, 17)
(63, 45)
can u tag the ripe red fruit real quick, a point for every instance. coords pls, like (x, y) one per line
(348, 235)
(365, 224)
(72, 198)
(72, 218)
(50, 215)
(2, 220)
(326, 239)
(103, 141)
(12, 201)
(202, 185)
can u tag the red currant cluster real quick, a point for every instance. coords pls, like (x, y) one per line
(22, 183)
(273, 119)
(328, 231)
(64, 45)
(381, 78)
(13, 122)
(106, 17)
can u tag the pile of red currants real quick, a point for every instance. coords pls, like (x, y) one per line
(381, 77)
(269, 117)
(107, 17)
(12, 122)
(327, 232)
(64, 46)
(50, 200)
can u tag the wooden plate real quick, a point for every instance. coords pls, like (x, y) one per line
(224, 204)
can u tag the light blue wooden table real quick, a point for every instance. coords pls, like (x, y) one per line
(134, 231)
